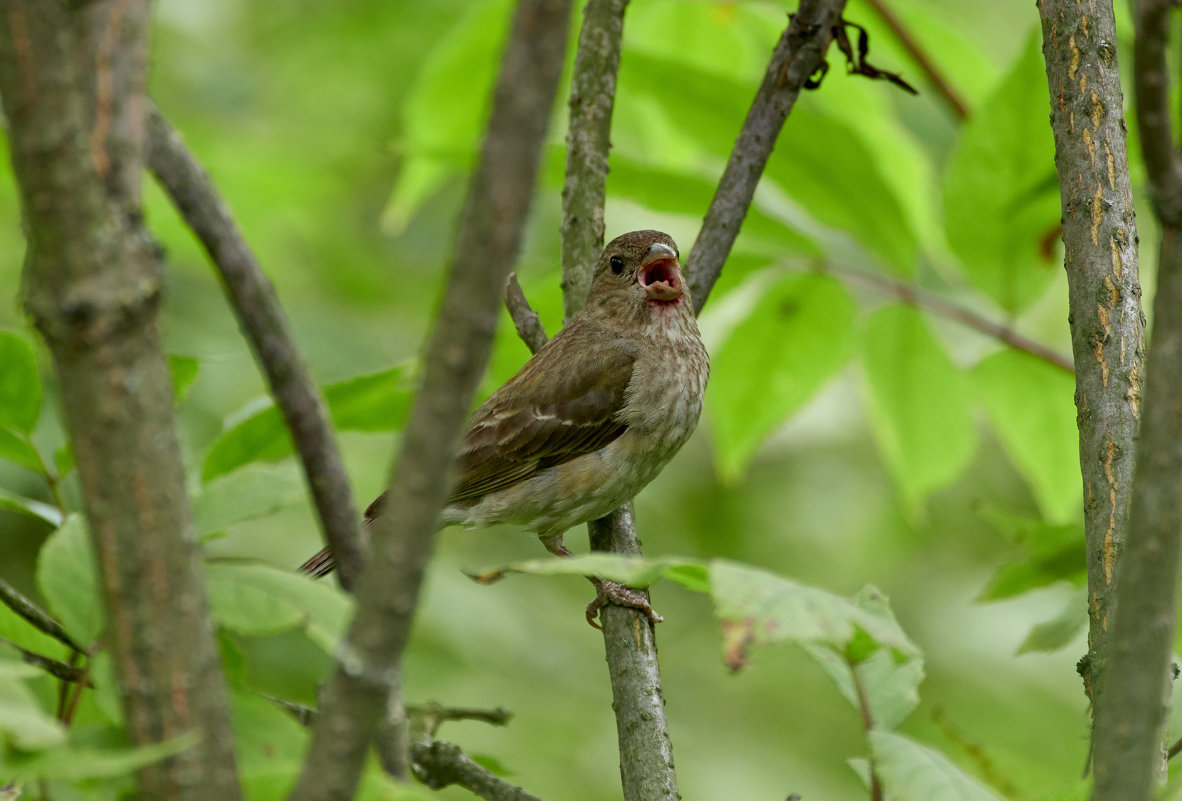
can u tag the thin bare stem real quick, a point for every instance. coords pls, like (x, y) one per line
(914, 296)
(525, 319)
(922, 60)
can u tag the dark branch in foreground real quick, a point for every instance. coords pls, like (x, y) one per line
(487, 244)
(253, 299)
(440, 764)
(799, 55)
(54, 667)
(38, 617)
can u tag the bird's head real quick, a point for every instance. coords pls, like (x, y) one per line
(640, 271)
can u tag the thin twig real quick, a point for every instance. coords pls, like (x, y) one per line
(54, 667)
(253, 299)
(798, 55)
(525, 319)
(914, 296)
(38, 617)
(403, 537)
(867, 726)
(936, 78)
(439, 764)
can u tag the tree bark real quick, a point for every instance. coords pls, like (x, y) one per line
(1104, 293)
(72, 81)
(487, 243)
(592, 99)
(1130, 712)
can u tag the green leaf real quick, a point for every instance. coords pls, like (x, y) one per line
(1001, 193)
(440, 138)
(20, 383)
(376, 402)
(847, 193)
(1030, 404)
(16, 448)
(630, 570)
(184, 372)
(889, 680)
(919, 402)
(67, 576)
(255, 491)
(1060, 631)
(682, 192)
(255, 599)
(795, 338)
(913, 772)
(1051, 553)
(22, 719)
(69, 762)
(19, 503)
(758, 608)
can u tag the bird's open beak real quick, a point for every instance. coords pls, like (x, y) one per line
(660, 274)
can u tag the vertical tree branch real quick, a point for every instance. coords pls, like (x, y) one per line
(646, 751)
(72, 82)
(592, 99)
(253, 299)
(404, 535)
(797, 57)
(1130, 711)
(1104, 293)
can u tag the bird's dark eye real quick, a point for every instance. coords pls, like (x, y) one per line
(617, 265)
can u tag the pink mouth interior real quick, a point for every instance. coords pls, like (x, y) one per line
(661, 280)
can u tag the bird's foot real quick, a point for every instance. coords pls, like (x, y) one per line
(610, 592)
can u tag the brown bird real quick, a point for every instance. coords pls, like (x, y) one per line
(592, 418)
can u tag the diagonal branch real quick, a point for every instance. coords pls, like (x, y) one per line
(798, 55)
(914, 296)
(262, 319)
(487, 244)
(35, 615)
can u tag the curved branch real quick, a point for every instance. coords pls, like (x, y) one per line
(253, 299)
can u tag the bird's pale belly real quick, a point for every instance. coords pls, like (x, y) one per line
(574, 492)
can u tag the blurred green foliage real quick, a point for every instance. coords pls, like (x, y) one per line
(849, 440)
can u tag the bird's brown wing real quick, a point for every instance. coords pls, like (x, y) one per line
(564, 403)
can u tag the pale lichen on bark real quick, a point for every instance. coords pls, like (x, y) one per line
(1106, 319)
